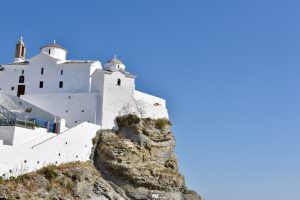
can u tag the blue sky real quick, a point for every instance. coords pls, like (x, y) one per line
(230, 71)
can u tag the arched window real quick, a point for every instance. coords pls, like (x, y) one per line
(21, 79)
(42, 71)
(119, 82)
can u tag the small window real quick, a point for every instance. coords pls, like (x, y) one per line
(61, 72)
(119, 82)
(12, 88)
(23, 51)
(82, 110)
(42, 71)
(21, 79)
(61, 84)
(41, 84)
(23, 71)
(49, 51)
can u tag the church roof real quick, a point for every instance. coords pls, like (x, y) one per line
(109, 71)
(26, 62)
(78, 61)
(115, 61)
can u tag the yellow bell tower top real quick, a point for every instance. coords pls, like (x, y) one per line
(20, 51)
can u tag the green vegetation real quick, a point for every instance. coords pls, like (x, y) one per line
(162, 123)
(28, 110)
(128, 120)
(49, 172)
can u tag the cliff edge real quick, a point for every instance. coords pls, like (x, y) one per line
(136, 162)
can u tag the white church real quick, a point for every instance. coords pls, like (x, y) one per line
(74, 97)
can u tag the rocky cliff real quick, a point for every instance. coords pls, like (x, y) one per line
(136, 162)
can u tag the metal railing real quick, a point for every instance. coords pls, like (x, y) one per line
(8, 118)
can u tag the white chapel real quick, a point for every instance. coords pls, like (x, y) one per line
(77, 90)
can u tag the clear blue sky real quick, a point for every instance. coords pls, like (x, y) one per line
(230, 71)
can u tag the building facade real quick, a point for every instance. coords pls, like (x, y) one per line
(77, 90)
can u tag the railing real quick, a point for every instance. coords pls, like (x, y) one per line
(7, 113)
(31, 124)
(17, 122)
(52, 127)
(7, 122)
(10, 119)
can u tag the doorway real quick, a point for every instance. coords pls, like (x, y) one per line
(21, 90)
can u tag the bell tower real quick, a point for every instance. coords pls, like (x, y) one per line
(20, 51)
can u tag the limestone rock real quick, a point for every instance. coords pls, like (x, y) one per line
(140, 159)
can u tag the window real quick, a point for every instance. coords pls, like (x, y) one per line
(23, 51)
(42, 71)
(41, 84)
(23, 71)
(61, 84)
(119, 82)
(21, 79)
(12, 88)
(61, 72)
(49, 51)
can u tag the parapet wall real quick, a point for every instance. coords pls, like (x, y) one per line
(150, 99)
(75, 108)
(72, 145)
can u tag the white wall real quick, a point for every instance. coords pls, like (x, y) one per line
(9, 78)
(123, 99)
(75, 77)
(115, 97)
(73, 145)
(75, 108)
(13, 135)
(57, 53)
(149, 98)
(23, 135)
(7, 134)
(97, 81)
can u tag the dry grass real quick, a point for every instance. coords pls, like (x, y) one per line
(162, 123)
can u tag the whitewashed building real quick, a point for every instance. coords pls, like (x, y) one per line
(77, 90)
(75, 97)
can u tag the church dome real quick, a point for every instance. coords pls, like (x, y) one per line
(53, 46)
(55, 50)
(114, 64)
(115, 61)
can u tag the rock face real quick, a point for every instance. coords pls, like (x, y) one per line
(136, 162)
(140, 159)
(65, 182)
